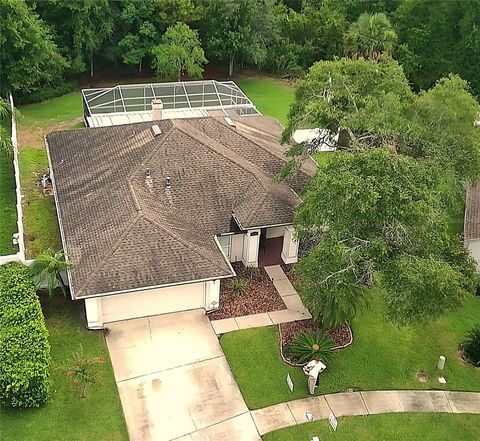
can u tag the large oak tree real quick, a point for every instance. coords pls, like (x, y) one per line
(379, 212)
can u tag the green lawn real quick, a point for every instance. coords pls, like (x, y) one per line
(8, 211)
(390, 427)
(382, 356)
(39, 213)
(271, 97)
(37, 120)
(54, 111)
(67, 416)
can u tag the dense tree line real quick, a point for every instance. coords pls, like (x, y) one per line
(45, 42)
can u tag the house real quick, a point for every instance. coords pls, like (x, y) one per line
(472, 222)
(153, 213)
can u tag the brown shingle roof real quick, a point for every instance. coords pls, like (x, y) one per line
(472, 213)
(122, 232)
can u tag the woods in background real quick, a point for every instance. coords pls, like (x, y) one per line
(45, 44)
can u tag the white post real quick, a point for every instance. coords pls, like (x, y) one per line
(212, 295)
(93, 310)
(251, 242)
(290, 246)
(18, 187)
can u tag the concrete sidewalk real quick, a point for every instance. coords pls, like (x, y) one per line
(295, 310)
(291, 413)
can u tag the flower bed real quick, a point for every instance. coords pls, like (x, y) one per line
(341, 336)
(259, 296)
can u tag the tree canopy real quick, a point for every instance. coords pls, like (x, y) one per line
(377, 212)
(372, 105)
(179, 53)
(29, 57)
(430, 38)
(238, 30)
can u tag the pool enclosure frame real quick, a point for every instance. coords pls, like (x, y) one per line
(181, 99)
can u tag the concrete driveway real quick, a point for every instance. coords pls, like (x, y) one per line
(174, 380)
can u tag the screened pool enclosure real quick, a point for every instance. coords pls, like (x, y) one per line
(125, 104)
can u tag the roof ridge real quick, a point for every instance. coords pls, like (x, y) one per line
(260, 144)
(110, 252)
(222, 151)
(264, 180)
(179, 239)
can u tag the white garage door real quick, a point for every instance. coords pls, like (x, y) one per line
(153, 302)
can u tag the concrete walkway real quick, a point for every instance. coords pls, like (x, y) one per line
(292, 413)
(295, 310)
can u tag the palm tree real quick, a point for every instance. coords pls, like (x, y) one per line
(370, 36)
(48, 267)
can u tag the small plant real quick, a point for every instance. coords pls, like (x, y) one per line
(238, 286)
(471, 345)
(85, 370)
(252, 272)
(307, 346)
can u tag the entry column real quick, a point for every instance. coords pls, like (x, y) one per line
(251, 242)
(290, 245)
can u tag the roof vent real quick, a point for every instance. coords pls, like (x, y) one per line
(229, 121)
(148, 176)
(156, 130)
(168, 182)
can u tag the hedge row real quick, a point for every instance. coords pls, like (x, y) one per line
(44, 93)
(24, 347)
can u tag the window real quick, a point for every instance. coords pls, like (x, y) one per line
(226, 244)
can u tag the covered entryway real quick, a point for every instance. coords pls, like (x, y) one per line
(270, 250)
(174, 380)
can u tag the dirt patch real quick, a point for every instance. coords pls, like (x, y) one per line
(259, 296)
(422, 377)
(29, 136)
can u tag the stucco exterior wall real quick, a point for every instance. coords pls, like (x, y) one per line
(237, 248)
(275, 232)
(474, 247)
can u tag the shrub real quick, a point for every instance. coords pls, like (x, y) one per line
(253, 272)
(238, 286)
(307, 346)
(45, 93)
(24, 347)
(471, 345)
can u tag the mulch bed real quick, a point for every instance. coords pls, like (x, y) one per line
(288, 270)
(260, 295)
(340, 336)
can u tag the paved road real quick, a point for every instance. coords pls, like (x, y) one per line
(174, 381)
(364, 403)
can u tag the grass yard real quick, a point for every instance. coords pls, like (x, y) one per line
(39, 213)
(271, 97)
(56, 111)
(390, 427)
(8, 200)
(67, 416)
(382, 356)
(37, 120)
